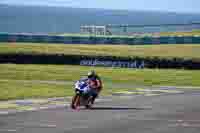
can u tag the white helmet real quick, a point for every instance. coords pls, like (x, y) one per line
(91, 73)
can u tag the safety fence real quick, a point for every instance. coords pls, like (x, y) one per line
(4, 37)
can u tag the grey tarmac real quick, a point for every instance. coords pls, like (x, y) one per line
(167, 113)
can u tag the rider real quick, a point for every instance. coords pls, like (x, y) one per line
(95, 84)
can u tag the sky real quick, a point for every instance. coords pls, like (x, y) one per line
(185, 6)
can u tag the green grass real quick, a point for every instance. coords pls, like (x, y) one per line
(107, 36)
(177, 33)
(12, 89)
(18, 81)
(13, 77)
(5, 105)
(93, 35)
(186, 51)
(15, 89)
(189, 33)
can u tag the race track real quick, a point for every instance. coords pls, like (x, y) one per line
(167, 113)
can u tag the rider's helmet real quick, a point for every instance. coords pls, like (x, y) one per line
(91, 74)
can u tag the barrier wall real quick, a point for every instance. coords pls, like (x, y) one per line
(97, 40)
(106, 61)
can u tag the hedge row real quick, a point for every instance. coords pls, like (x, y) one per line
(149, 62)
(98, 40)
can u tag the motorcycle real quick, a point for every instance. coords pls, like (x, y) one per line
(81, 97)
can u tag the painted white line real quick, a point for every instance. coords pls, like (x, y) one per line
(185, 125)
(184, 121)
(174, 87)
(152, 94)
(41, 108)
(160, 90)
(83, 127)
(8, 130)
(4, 112)
(31, 109)
(126, 97)
(47, 126)
(12, 130)
(76, 127)
(57, 106)
(172, 121)
(39, 125)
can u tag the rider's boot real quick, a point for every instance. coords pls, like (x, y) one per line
(72, 106)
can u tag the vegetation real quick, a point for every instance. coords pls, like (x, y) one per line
(33, 81)
(189, 33)
(185, 51)
(177, 33)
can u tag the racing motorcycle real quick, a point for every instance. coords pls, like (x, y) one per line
(81, 97)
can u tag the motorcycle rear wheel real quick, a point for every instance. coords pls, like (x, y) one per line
(89, 104)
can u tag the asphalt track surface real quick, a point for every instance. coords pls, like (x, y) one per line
(168, 113)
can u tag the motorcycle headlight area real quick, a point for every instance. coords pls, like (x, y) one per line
(81, 87)
(78, 91)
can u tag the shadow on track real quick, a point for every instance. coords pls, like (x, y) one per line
(118, 108)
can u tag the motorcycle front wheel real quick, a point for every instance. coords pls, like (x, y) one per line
(75, 101)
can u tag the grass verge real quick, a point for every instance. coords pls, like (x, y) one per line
(15, 89)
(168, 51)
(178, 33)
(22, 81)
(186, 33)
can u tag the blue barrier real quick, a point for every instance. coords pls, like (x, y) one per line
(98, 40)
